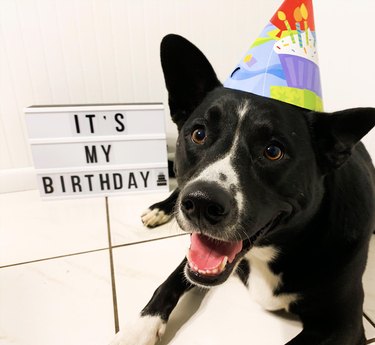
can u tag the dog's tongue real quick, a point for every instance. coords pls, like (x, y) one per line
(208, 254)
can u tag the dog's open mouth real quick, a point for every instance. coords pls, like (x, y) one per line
(209, 257)
(211, 261)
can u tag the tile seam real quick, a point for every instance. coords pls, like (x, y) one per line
(53, 258)
(145, 241)
(370, 321)
(112, 268)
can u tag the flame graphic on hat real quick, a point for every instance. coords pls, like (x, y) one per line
(282, 63)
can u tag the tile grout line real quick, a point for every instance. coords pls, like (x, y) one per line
(54, 257)
(149, 240)
(89, 251)
(113, 281)
(370, 321)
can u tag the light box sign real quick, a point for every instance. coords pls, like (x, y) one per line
(91, 150)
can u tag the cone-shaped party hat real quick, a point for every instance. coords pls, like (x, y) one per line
(282, 63)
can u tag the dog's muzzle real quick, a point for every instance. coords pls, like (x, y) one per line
(209, 212)
(205, 204)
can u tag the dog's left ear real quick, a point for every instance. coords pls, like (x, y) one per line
(188, 75)
(337, 133)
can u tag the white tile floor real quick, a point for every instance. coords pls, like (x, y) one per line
(56, 284)
(125, 214)
(31, 229)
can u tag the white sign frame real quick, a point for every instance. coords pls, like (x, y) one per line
(99, 149)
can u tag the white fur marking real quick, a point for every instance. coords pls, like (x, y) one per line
(155, 217)
(223, 166)
(147, 330)
(263, 282)
(242, 109)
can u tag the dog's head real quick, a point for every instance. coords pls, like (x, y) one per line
(249, 168)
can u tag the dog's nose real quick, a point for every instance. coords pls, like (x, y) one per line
(206, 202)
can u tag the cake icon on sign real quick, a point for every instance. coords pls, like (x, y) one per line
(161, 181)
(283, 63)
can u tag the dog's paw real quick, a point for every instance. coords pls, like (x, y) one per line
(155, 217)
(146, 331)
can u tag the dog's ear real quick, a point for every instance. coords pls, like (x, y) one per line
(188, 76)
(337, 133)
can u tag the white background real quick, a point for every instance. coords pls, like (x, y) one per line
(103, 51)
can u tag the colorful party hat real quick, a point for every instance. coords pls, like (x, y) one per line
(282, 63)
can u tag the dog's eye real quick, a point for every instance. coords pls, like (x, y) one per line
(199, 135)
(273, 152)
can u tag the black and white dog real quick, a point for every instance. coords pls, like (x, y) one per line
(269, 191)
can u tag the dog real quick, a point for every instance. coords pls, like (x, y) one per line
(282, 196)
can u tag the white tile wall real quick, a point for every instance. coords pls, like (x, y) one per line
(65, 51)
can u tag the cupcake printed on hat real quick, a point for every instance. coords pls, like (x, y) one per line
(282, 63)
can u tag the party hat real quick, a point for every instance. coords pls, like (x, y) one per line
(282, 63)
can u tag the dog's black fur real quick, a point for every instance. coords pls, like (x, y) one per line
(314, 203)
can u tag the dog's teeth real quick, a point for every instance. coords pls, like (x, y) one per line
(193, 267)
(223, 264)
(208, 272)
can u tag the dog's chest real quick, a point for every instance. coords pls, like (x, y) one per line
(263, 282)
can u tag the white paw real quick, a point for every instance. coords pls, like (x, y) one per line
(155, 217)
(146, 331)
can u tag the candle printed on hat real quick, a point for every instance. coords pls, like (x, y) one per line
(283, 63)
